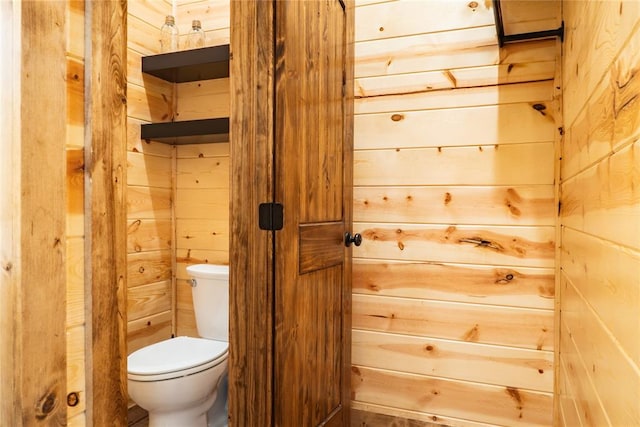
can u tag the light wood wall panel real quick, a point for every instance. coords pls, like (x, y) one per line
(454, 196)
(150, 296)
(395, 100)
(453, 359)
(75, 187)
(517, 205)
(506, 286)
(491, 404)
(202, 218)
(599, 374)
(479, 165)
(454, 127)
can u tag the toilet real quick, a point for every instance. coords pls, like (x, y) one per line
(182, 381)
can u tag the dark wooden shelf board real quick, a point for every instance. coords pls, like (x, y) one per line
(189, 65)
(187, 132)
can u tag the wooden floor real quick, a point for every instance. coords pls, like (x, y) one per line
(137, 417)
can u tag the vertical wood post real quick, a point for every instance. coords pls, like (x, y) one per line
(251, 249)
(33, 208)
(105, 159)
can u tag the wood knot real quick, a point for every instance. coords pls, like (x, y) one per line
(397, 117)
(73, 399)
(447, 198)
(46, 405)
(141, 270)
(473, 5)
(540, 108)
(7, 267)
(381, 29)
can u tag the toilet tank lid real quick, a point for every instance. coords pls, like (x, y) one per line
(208, 271)
(176, 354)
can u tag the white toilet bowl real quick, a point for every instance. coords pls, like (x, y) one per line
(176, 380)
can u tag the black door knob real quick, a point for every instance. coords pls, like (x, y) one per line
(356, 239)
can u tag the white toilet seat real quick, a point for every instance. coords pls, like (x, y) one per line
(175, 358)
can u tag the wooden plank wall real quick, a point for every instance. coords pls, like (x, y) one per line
(599, 372)
(149, 177)
(10, 224)
(75, 170)
(202, 171)
(178, 199)
(453, 305)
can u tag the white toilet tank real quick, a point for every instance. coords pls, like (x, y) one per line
(211, 300)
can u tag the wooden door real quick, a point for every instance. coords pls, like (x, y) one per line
(313, 161)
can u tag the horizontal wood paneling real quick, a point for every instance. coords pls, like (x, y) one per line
(148, 267)
(455, 198)
(148, 203)
(455, 127)
(150, 106)
(203, 173)
(536, 92)
(523, 246)
(605, 199)
(402, 18)
(203, 234)
(220, 149)
(185, 257)
(614, 376)
(517, 327)
(148, 171)
(137, 145)
(568, 411)
(148, 235)
(147, 300)
(203, 99)
(138, 29)
(517, 287)
(460, 49)
(530, 369)
(608, 276)
(491, 404)
(213, 15)
(210, 204)
(379, 415)
(148, 330)
(480, 165)
(202, 209)
(406, 54)
(600, 257)
(596, 31)
(186, 320)
(517, 205)
(575, 372)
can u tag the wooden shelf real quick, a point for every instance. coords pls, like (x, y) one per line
(187, 132)
(189, 65)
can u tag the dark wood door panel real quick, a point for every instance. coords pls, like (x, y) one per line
(321, 246)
